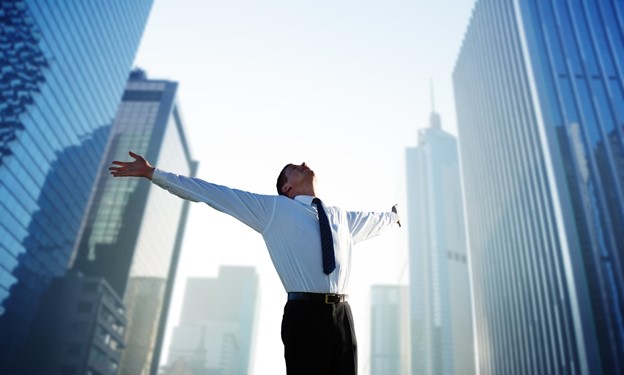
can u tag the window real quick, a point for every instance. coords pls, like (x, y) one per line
(97, 355)
(103, 334)
(84, 307)
(90, 287)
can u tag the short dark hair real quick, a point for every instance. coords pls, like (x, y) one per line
(281, 180)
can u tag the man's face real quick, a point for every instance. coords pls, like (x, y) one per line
(298, 176)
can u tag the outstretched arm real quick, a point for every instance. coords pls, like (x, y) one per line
(255, 210)
(365, 225)
(137, 168)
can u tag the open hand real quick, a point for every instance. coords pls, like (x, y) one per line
(137, 168)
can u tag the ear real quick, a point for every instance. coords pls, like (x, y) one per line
(286, 188)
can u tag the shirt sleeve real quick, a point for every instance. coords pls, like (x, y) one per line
(365, 225)
(254, 210)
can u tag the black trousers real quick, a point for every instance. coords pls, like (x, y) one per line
(319, 339)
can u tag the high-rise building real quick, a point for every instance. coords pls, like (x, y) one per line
(440, 315)
(390, 334)
(132, 232)
(539, 91)
(216, 333)
(79, 329)
(63, 66)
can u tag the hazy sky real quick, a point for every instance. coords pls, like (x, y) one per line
(341, 85)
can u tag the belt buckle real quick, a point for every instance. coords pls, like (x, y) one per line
(327, 301)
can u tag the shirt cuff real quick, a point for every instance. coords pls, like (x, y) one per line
(158, 176)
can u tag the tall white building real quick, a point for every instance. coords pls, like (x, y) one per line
(440, 315)
(389, 330)
(216, 333)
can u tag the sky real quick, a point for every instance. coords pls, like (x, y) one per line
(341, 85)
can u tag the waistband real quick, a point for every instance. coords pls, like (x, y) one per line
(329, 298)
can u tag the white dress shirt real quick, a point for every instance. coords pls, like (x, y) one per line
(290, 229)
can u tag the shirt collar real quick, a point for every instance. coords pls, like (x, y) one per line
(305, 199)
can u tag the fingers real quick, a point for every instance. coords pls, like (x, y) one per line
(135, 168)
(121, 172)
(135, 156)
(115, 173)
(119, 168)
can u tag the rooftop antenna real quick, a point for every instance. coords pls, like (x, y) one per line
(434, 117)
(432, 96)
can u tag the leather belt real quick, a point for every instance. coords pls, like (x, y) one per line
(329, 298)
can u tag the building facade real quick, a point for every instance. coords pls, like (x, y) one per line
(441, 316)
(540, 105)
(79, 328)
(390, 334)
(132, 232)
(216, 333)
(63, 67)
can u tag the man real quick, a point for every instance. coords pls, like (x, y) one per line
(310, 246)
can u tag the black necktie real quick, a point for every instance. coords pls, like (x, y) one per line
(327, 244)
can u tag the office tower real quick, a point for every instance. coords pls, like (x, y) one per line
(132, 231)
(441, 317)
(216, 333)
(539, 96)
(80, 328)
(390, 334)
(63, 66)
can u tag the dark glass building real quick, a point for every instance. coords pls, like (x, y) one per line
(132, 232)
(63, 66)
(539, 92)
(79, 329)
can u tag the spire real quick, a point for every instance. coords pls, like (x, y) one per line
(431, 93)
(434, 118)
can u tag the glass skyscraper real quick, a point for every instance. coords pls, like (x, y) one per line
(132, 231)
(440, 312)
(63, 66)
(540, 104)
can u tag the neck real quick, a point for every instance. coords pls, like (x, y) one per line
(304, 190)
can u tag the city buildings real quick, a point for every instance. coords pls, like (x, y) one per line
(79, 328)
(390, 334)
(131, 235)
(63, 67)
(540, 107)
(216, 333)
(440, 314)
